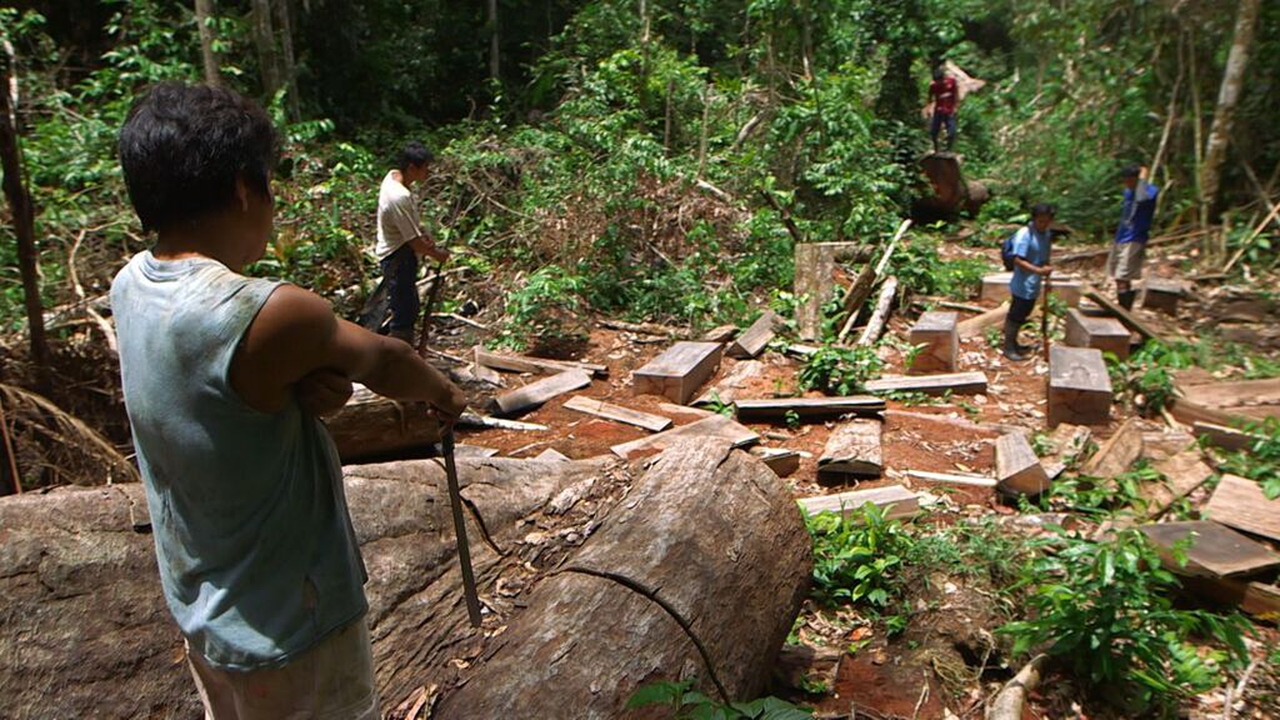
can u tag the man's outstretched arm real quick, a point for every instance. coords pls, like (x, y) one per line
(296, 334)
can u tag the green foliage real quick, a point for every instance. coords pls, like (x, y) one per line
(840, 370)
(1104, 607)
(920, 268)
(689, 704)
(1261, 460)
(1145, 379)
(857, 559)
(545, 311)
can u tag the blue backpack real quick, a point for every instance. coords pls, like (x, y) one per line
(1006, 251)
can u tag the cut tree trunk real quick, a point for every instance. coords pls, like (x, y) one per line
(370, 425)
(208, 58)
(1215, 152)
(264, 40)
(699, 573)
(15, 191)
(86, 623)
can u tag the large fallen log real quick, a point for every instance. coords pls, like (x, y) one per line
(370, 425)
(86, 629)
(700, 572)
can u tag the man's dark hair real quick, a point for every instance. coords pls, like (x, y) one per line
(183, 146)
(1043, 209)
(1132, 170)
(414, 154)
(937, 73)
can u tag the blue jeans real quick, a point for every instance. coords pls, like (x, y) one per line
(400, 268)
(936, 124)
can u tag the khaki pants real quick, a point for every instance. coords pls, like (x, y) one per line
(1125, 261)
(331, 681)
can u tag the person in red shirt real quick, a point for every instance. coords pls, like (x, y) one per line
(945, 96)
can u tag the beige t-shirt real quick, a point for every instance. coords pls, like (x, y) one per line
(397, 216)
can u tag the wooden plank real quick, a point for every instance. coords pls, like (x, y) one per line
(1239, 502)
(808, 408)
(673, 409)
(1259, 599)
(539, 366)
(618, 413)
(1234, 394)
(801, 351)
(952, 478)
(724, 333)
(484, 373)
(880, 315)
(781, 461)
(853, 449)
(1231, 439)
(750, 343)
(537, 392)
(552, 455)
(1117, 454)
(1079, 386)
(1105, 334)
(896, 500)
(976, 326)
(965, 383)
(731, 386)
(1129, 321)
(937, 331)
(1189, 413)
(1214, 552)
(484, 421)
(463, 450)
(1018, 470)
(1183, 473)
(712, 426)
(679, 371)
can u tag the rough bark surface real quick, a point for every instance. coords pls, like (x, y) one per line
(709, 532)
(85, 628)
(370, 425)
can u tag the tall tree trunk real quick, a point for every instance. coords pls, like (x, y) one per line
(204, 14)
(264, 40)
(1228, 96)
(288, 66)
(494, 40)
(23, 223)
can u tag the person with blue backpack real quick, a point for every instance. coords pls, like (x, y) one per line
(1027, 254)
(1136, 213)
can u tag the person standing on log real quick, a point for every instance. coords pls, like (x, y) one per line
(224, 378)
(1030, 251)
(401, 239)
(946, 96)
(1136, 213)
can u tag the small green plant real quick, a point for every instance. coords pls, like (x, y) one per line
(792, 419)
(689, 704)
(720, 407)
(858, 559)
(1145, 379)
(840, 370)
(545, 312)
(1104, 607)
(1261, 460)
(1040, 444)
(995, 337)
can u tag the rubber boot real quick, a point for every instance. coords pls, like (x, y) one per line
(1126, 299)
(1012, 350)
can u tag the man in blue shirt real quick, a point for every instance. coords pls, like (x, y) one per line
(1030, 264)
(1136, 213)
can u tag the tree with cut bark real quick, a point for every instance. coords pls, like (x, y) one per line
(1228, 97)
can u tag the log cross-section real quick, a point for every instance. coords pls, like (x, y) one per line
(679, 371)
(1079, 387)
(939, 335)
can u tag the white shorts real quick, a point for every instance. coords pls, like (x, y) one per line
(331, 681)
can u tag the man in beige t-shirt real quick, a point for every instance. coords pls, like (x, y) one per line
(401, 239)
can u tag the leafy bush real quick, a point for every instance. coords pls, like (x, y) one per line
(1104, 607)
(920, 268)
(858, 559)
(840, 370)
(689, 704)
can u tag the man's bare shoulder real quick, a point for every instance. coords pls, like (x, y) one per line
(293, 317)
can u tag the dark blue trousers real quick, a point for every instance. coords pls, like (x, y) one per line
(400, 268)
